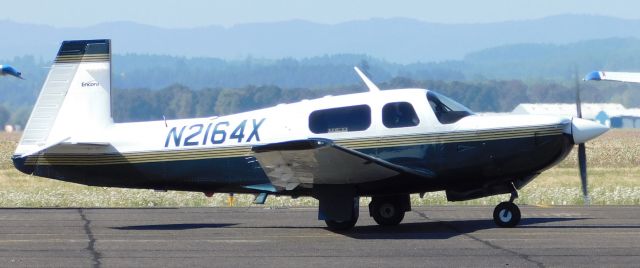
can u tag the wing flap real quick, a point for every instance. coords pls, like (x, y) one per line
(319, 161)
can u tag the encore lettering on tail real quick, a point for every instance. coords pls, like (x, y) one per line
(90, 84)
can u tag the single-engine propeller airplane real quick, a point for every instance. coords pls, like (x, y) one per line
(8, 70)
(385, 144)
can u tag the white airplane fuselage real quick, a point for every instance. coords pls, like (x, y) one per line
(214, 154)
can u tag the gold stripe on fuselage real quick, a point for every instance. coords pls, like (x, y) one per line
(139, 157)
(468, 136)
(245, 151)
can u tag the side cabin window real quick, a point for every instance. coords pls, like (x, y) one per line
(447, 110)
(341, 119)
(399, 114)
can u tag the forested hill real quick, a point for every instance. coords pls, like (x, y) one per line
(520, 61)
(494, 79)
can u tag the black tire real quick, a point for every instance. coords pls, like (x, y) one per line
(386, 211)
(506, 214)
(338, 226)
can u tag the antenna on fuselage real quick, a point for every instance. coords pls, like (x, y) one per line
(372, 87)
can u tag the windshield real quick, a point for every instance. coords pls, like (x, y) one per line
(447, 110)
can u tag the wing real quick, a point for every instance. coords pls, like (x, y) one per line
(613, 76)
(320, 161)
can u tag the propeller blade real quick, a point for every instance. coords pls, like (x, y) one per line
(582, 152)
(582, 162)
(578, 102)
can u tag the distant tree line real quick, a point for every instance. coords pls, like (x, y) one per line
(493, 80)
(178, 101)
(530, 63)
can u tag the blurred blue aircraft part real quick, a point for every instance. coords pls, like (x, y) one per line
(631, 77)
(595, 75)
(8, 70)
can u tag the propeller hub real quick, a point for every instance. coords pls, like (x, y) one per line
(583, 130)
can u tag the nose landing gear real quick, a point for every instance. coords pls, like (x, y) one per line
(507, 214)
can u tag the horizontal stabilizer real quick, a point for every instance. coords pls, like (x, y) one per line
(320, 161)
(66, 141)
(92, 143)
(613, 76)
(45, 147)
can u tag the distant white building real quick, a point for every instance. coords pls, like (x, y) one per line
(589, 110)
(614, 115)
(629, 118)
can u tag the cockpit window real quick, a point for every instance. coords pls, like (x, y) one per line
(447, 110)
(399, 114)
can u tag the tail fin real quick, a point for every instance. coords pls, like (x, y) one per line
(75, 100)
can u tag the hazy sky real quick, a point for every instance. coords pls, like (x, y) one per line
(193, 13)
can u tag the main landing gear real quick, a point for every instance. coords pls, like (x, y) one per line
(389, 210)
(507, 214)
(385, 210)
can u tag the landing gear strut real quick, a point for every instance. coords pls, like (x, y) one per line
(507, 214)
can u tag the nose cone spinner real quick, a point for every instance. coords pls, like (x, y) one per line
(583, 130)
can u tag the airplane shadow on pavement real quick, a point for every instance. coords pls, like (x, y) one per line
(439, 229)
(173, 227)
(415, 230)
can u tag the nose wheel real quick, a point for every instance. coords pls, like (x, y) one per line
(507, 214)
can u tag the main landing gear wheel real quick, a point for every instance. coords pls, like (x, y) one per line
(387, 211)
(344, 225)
(337, 226)
(506, 214)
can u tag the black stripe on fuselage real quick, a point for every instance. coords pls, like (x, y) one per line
(242, 151)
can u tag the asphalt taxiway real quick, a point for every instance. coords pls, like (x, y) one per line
(447, 236)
